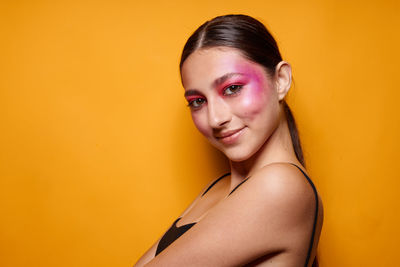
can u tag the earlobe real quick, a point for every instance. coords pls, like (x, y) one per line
(283, 78)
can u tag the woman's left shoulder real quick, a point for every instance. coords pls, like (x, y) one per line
(282, 172)
(283, 184)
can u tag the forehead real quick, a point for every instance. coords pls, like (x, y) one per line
(206, 65)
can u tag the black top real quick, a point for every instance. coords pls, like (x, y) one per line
(172, 234)
(175, 232)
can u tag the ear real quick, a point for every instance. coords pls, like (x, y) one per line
(283, 78)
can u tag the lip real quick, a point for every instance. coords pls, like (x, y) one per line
(230, 137)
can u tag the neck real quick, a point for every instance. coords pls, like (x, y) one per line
(278, 148)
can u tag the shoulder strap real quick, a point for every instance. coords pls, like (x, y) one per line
(315, 215)
(216, 181)
(239, 185)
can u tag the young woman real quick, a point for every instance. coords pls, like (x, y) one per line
(266, 211)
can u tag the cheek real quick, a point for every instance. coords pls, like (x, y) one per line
(200, 121)
(254, 100)
(258, 93)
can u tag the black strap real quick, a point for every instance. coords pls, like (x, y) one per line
(315, 215)
(216, 181)
(244, 180)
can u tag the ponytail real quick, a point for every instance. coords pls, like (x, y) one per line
(294, 133)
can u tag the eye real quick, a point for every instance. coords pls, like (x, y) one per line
(232, 89)
(196, 103)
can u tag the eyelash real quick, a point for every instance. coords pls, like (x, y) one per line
(236, 90)
(191, 103)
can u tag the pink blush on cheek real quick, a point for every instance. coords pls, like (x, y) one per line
(256, 95)
(252, 101)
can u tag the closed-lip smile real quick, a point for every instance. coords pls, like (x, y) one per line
(229, 137)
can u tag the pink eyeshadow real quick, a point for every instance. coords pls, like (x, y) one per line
(193, 97)
(253, 99)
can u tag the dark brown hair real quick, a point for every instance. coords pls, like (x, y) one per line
(254, 41)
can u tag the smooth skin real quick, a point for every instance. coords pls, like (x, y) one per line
(268, 220)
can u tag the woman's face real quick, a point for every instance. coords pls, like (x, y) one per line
(233, 102)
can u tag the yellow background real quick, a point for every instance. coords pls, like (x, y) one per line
(98, 154)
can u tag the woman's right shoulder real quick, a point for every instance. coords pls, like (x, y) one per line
(212, 183)
(205, 189)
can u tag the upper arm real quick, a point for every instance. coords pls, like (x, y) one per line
(269, 214)
(148, 255)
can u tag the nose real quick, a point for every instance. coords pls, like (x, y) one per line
(218, 113)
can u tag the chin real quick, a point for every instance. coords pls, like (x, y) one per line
(237, 155)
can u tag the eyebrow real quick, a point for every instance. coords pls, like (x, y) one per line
(192, 92)
(216, 82)
(225, 77)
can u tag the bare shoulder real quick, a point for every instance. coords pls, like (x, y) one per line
(272, 213)
(282, 181)
(285, 191)
(205, 189)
